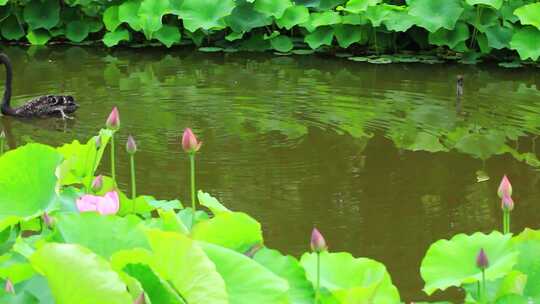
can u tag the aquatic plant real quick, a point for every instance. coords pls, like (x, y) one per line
(131, 148)
(2, 138)
(113, 124)
(318, 245)
(191, 146)
(507, 204)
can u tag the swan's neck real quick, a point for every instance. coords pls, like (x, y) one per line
(6, 107)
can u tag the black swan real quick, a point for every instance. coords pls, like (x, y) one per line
(42, 106)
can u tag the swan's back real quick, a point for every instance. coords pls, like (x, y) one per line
(48, 105)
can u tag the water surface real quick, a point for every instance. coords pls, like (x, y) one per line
(383, 159)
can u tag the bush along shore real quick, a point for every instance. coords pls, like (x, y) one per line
(70, 235)
(464, 30)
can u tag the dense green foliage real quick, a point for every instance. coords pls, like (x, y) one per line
(473, 28)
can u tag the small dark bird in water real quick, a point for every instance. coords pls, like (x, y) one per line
(459, 85)
(42, 106)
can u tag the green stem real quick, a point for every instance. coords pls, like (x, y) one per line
(484, 296)
(133, 183)
(192, 165)
(1, 146)
(318, 277)
(113, 167)
(504, 221)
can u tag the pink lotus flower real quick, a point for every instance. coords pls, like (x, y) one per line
(108, 204)
(505, 188)
(113, 122)
(318, 244)
(8, 287)
(189, 141)
(97, 183)
(507, 203)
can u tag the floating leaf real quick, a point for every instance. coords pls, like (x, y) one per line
(435, 14)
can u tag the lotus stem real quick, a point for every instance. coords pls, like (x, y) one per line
(192, 165)
(484, 296)
(113, 167)
(317, 287)
(1, 146)
(133, 180)
(506, 221)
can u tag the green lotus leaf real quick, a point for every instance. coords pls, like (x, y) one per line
(234, 36)
(113, 38)
(178, 260)
(234, 230)
(321, 19)
(378, 14)
(527, 42)
(163, 204)
(38, 37)
(300, 289)
(211, 203)
(42, 14)
(128, 12)
(511, 284)
(77, 31)
(435, 14)
(450, 38)
(349, 279)
(110, 18)
(354, 19)
(453, 262)
(244, 18)
(168, 35)
(247, 281)
(150, 14)
(15, 267)
(348, 34)
(205, 14)
(509, 7)
(104, 235)
(481, 146)
(399, 21)
(499, 37)
(3, 2)
(274, 8)
(11, 29)
(321, 36)
(529, 14)
(528, 245)
(357, 6)
(157, 289)
(496, 4)
(293, 15)
(330, 4)
(426, 142)
(95, 25)
(380, 60)
(77, 275)
(486, 18)
(510, 65)
(29, 167)
(281, 43)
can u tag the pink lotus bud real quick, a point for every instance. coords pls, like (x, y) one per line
(505, 188)
(48, 220)
(189, 141)
(97, 183)
(113, 122)
(318, 244)
(482, 260)
(8, 287)
(507, 203)
(131, 145)
(140, 299)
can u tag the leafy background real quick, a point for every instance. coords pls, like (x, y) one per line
(470, 28)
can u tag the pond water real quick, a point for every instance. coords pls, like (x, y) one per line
(383, 159)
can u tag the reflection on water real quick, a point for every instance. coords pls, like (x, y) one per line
(383, 159)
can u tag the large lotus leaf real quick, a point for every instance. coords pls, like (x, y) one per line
(481, 146)
(15, 267)
(357, 6)
(424, 141)
(113, 38)
(104, 235)
(321, 36)
(247, 281)
(77, 31)
(282, 43)
(330, 4)
(168, 35)
(211, 203)
(349, 279)
(496, 4)
(150, 14)
(244, 18)
(205, 14)
(527, 42)
(450, 38)
(28, 181)
(378, 14)
(528, 245)
(35, 290)
(512, 283)
(347, 34)
(42, 14)
(157, 289)
(321, 19)
(293, 15)
(435, 14)
(38, 37)
(128, 12)
(177, 259)
(274, 8)
(509, 7)
(529, 14)
(11, 29)
(453, 262)
(498, 36)
(288, 268)
(399, 20)
(234, 230)
(77, 275)
(486, 18)
(3, 2)
(110, 18)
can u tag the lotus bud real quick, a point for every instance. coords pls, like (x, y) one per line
(8, 287)
(318, 244)
(189, 141)
(48, 220)
(140, 299)
(482, 260)
(97, 183)
(131, 145)
(505, 188)
(113, 122)
(507, 203)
